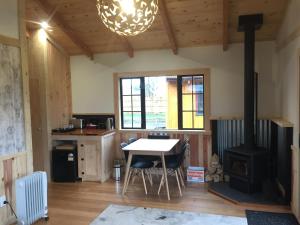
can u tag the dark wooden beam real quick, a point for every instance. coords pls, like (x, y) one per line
(225, 25)
(58, 20)
(128, 47)
(167, 25)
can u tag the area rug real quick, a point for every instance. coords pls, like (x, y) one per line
(269, 218)
(128, 215)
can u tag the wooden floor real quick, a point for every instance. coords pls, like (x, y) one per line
(80, 203)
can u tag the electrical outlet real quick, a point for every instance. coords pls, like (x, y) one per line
(2, 200)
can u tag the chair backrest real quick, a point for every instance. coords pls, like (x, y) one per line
(131, 140)
(123, 145)
(182, 144)
(126, 153)
(158, 136)
(181, 154)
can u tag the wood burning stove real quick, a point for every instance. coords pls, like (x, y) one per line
(247, 165)
(246, 168)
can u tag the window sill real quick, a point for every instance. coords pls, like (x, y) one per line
(205, 132)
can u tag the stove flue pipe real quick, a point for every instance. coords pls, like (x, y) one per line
(248, 24)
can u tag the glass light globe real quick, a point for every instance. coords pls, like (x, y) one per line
(127, 17)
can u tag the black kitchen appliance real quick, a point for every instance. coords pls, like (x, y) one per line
(64, 163)
(99, 120)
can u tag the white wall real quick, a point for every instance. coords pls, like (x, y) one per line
(9, 18)
(92, 81)
(288, 62)
(288, 69)
(9, 27)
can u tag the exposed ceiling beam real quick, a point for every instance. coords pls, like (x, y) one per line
(225, 35)
(283, 16)
(167, 25)
(53, 12)
(128, 47)
(57, 19)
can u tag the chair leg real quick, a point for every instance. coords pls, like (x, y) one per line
(134, 176)
(142, 172)
(182, 173)
(176, 174)
(180, 176)
(149, 177)
(161, 184)
(128, 179)
(165, 172)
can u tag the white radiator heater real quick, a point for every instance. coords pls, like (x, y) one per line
(31, 198)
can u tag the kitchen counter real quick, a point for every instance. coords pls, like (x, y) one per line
(95, 148)
(82, 134)
(85, 132)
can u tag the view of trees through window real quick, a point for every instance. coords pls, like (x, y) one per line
(152, 102)
(161, 102)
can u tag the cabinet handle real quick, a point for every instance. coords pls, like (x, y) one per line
(82, 159)
(81, 145)
(82, 173)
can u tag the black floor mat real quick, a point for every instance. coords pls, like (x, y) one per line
(268, 218)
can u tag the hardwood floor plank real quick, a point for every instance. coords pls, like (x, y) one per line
(81, 203)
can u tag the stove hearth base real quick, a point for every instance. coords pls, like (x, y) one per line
(224, 191)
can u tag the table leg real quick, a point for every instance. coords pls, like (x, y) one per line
(128, 179)
(165, 173)
(178, 183)
(161, 184)
(145, 186)
(127, 172)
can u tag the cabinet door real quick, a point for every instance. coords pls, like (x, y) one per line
(89, 160)
(107, 157)
(81, 160)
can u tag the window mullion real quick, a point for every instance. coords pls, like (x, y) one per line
(179, 100)
(131, 104)
(193, 125)
(203, 94)
(121, 96)
(143, 103)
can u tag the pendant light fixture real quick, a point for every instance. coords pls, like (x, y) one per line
(127, 17)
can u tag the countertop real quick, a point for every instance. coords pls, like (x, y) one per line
(85, 132)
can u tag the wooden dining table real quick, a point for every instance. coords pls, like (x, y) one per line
(143, 146)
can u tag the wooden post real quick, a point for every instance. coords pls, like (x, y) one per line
(225, 24)
(25, 76)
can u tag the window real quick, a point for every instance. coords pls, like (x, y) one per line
(191, 102)
(131, 102)
(162, 102)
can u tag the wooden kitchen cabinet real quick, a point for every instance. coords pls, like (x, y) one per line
(95, 153)
(89, 160)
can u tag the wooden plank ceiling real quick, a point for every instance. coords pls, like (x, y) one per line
(180, 23)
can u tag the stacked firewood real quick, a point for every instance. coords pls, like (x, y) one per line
(215, 170)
